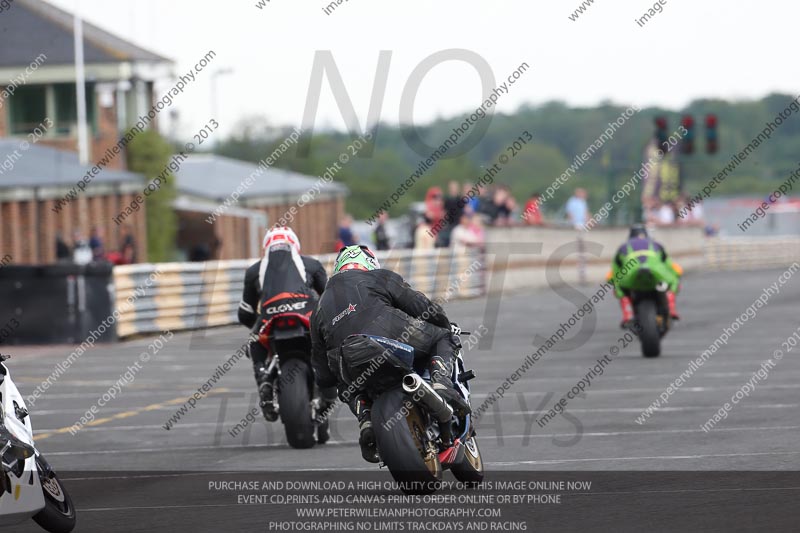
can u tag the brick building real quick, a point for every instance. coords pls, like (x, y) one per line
(205, 183)
(32, 181)
(38, 96)
(37, 87)
(37, 70)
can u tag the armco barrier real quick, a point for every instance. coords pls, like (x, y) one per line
(743, 253)
(199, 295)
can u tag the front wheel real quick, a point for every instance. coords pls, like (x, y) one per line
(58, 515)
(294, 403)
(403, 445)
(649, 336)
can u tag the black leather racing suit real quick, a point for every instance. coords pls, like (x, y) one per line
(281, 276)
(377, 302)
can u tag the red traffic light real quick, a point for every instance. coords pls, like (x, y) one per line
(687, 144)
(712, 139)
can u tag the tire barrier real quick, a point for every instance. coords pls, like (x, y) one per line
(186, 296)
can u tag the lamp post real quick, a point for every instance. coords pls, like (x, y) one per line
(214, 106)
(80, 93)
(80, 87)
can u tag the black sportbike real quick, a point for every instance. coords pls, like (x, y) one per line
(417, 433)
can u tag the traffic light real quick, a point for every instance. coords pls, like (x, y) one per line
(687, 144)
(662, 133)
(712, 140)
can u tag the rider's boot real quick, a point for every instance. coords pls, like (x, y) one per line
(627, 311)
(323, 432)
(673, 308)
(361, 407)
(327, 401)
(266, 393)
(441, 369)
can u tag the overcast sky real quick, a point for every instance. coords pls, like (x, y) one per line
(692, 49)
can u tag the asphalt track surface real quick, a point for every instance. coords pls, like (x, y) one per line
(600, 434)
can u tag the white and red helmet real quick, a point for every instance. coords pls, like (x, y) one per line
(282, 235)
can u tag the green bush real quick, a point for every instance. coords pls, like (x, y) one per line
(149, 154)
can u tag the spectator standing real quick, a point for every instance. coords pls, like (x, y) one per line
(693, 216)
(473, 201)
(96, 244)
(499, 208)
(346, 235)
(578, 214)
(423, 237)
(453, 209)
(650, 209)
(666, 214)
(434, 206)
(81, 253)
(532, 215)
(381, 237)
(465, 234)
(578, 209)
(63, 253)
(200, 252)
(479, 232)
(127, 246)
(512, 208)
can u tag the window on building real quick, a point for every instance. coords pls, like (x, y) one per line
(66, 108)
(32, 104)
(27, 108)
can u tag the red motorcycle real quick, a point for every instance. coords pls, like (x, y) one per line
(286, 334)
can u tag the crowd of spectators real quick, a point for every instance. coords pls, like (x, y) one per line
(460, 217)
(457, 219)
(92, 250)
(660, 213)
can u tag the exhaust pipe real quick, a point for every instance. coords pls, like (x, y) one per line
(424, 394)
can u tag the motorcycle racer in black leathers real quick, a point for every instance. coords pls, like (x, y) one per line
(363, 299)
(282, 281)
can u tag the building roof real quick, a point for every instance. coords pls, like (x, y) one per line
(41, 165)
(216, 177)
(36, 27)
(200, 175)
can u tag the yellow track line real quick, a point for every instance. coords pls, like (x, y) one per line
(125, 414)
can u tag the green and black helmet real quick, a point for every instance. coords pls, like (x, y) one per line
(355, 258)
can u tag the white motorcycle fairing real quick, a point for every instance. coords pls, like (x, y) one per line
(25, 498)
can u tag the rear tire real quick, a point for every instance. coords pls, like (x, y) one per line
(58, 515)
(649, 336)
(401, 444)
(294, 404)
(470, 469)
